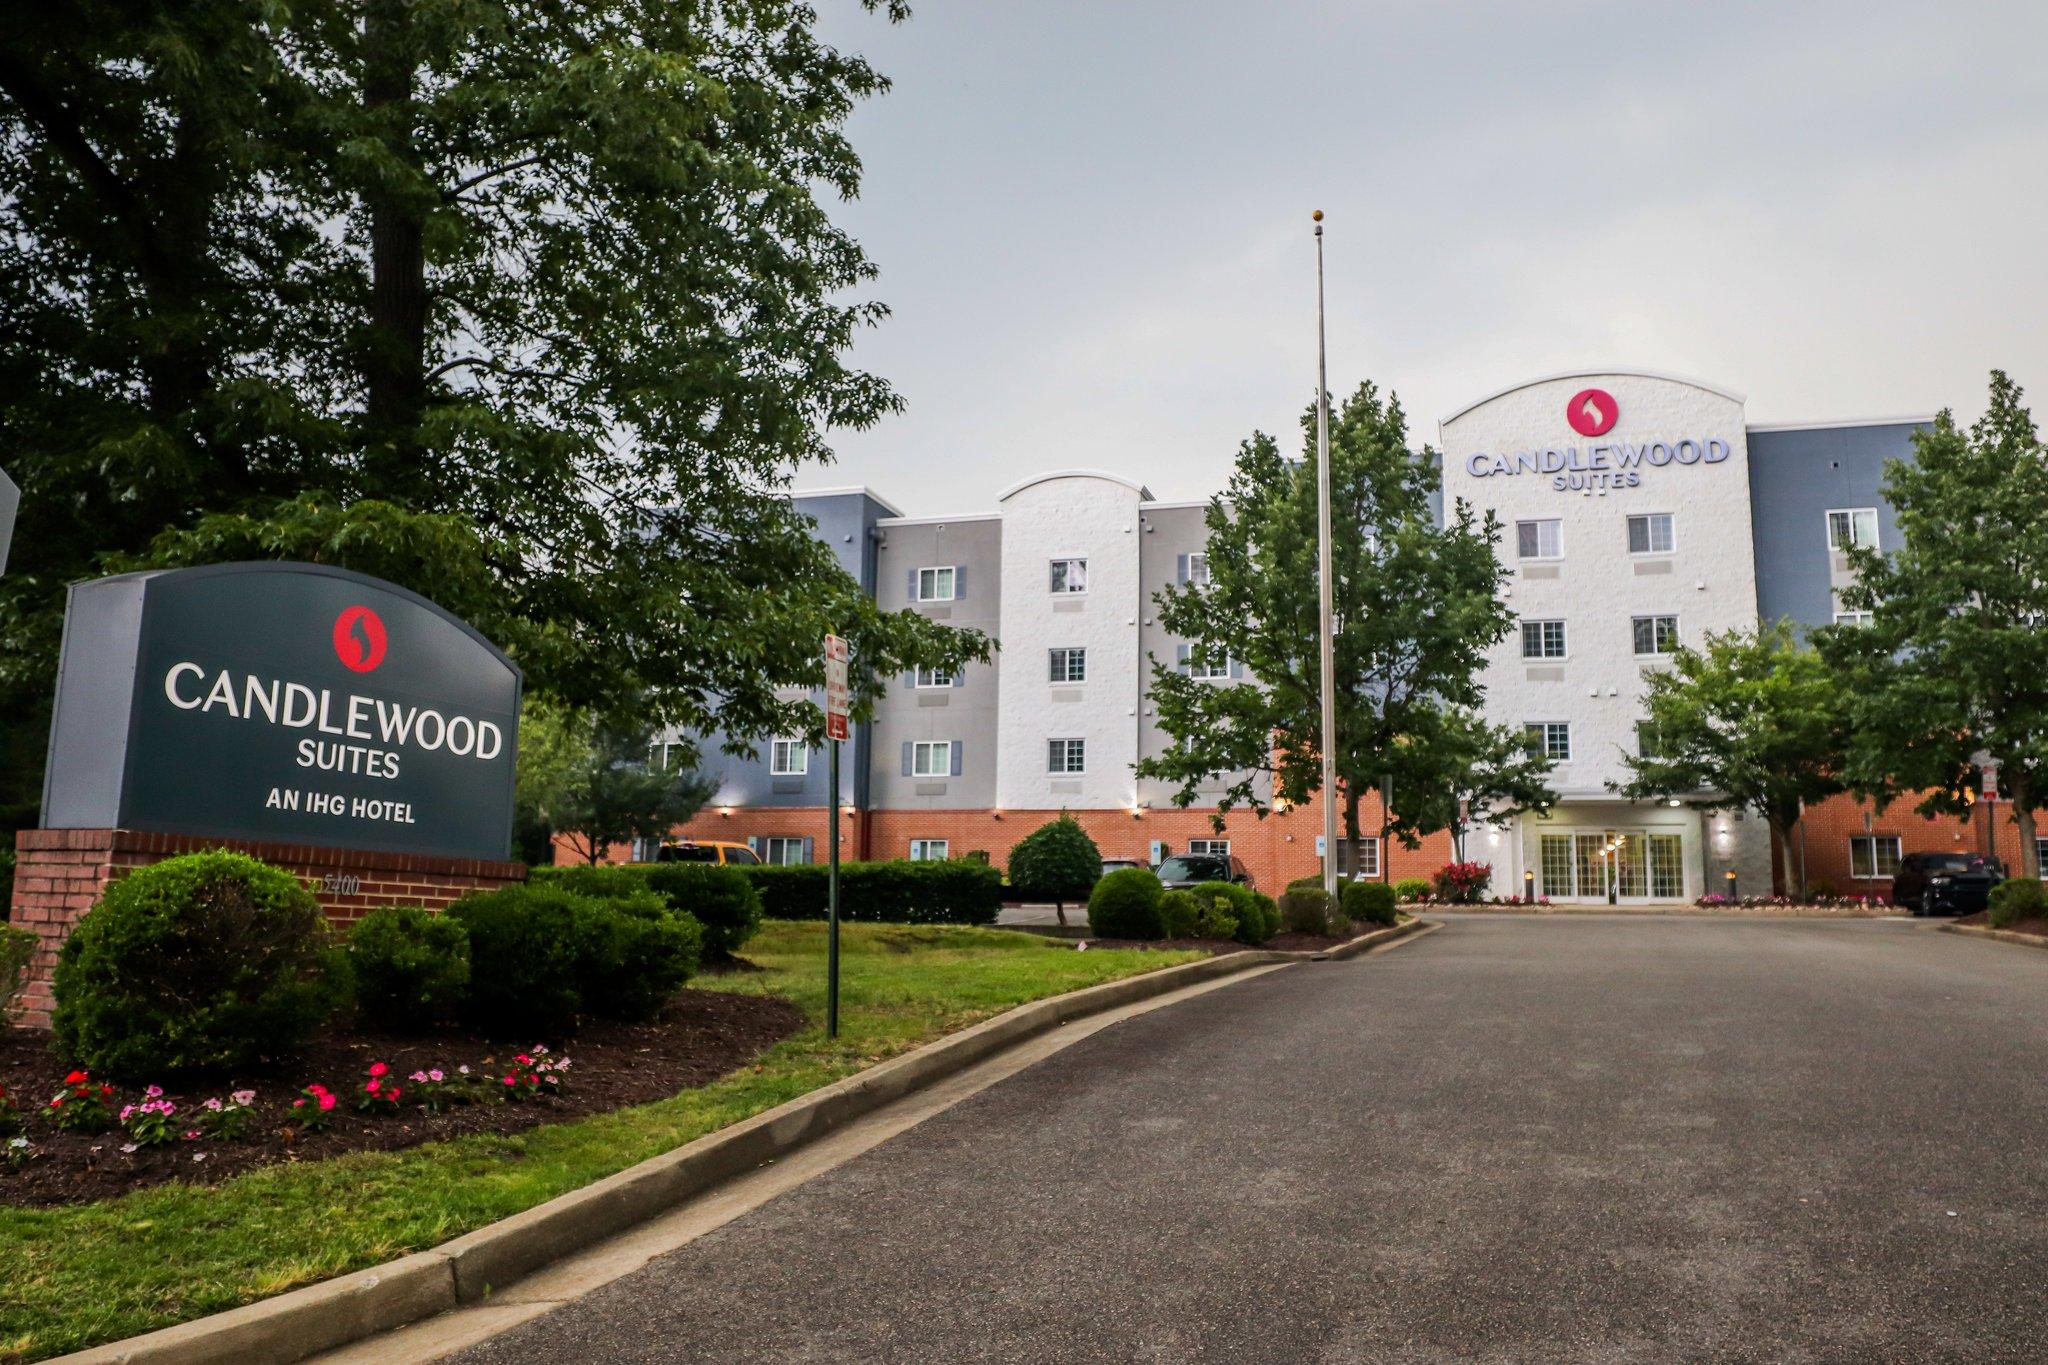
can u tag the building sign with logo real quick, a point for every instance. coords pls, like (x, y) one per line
(1602, 466)
(288, 703)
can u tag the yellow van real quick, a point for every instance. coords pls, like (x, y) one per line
(707, 851)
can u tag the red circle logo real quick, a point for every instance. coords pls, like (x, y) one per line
(359, 639)
(1592, 412)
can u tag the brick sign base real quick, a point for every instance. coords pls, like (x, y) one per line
(59, 873)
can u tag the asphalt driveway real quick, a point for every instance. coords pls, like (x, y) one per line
(1579, 1138)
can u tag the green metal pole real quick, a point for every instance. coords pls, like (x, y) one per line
(832, 901)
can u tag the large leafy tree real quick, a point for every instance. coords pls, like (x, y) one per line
(1752, 719)
(1419, 605)
(618, 792)
(532, 308)
(1951, 672)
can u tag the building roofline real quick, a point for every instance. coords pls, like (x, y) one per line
(1921, 420)
(1172, 506)
(938, 521)
(859, 488)
(1588, 372)
(1144, 493)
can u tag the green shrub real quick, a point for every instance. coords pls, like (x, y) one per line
(633, 954)
(1411, 888)
(1056, 862)
(721, 899)
(1307, 910)
(1369, 903)
(2022, 898)
(411, 967)
(206, 962)
(1226, 906)
(1262, 922)
(1178, 913)
(522, 958)
(952, 891)
(1820, 889)
(1125, 904)
(17, 951)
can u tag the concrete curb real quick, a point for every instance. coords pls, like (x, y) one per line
(333, 1313)
(2002, 935)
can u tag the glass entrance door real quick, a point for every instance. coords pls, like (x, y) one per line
(1582, 864)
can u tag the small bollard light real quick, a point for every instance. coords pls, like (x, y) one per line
(1528, 888)
(1730, 874)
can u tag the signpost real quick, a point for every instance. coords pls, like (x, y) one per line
(835, 734)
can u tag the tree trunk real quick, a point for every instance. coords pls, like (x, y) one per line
(2023, 816)
(395, 350)
(1782, 876)
(1349, 866)
(1059, 907)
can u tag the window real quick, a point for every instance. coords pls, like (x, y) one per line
(2041, 856)
(928, 850)
(783, 851)
(1550, 738)
(1213, 848)
(1874, 855)
(1647, 743)
(1852, 526)
(1539, 540)
(1067, 756)
(1852, 618)
(1198, 570)
(1650, 534)
(1667, 870)
(1069, 665)
(1543, 639)
(936, 585)
(931, 677)
(931, 758)
(1069, 575)
(1368, 855)
(788, 758)
(1655, 635)
(1206, 668)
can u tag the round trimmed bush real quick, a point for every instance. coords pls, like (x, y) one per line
(1056, 862)
(1262, 922)
(1370, 903)
(411, 967)
(206, 962)
(1178, 913)
(633, 954)
(2010, 902)
(522, 960)
(1307, 910)
(722, 900)
(1411, 888)
(1226, 906)
(1125, 904)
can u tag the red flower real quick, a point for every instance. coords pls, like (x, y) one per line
(370, 1086)
(74, 1078)
(378, 1068)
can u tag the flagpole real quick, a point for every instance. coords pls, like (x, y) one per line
(1325, 587)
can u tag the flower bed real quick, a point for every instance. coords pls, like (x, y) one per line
(65, 1136)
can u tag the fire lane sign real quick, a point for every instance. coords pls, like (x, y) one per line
(835, 688)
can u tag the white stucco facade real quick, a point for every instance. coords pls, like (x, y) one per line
(1070, 515)
(1648, 446)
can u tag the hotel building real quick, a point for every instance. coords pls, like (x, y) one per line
(1640, 510)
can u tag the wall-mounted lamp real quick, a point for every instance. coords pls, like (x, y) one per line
(725, 812)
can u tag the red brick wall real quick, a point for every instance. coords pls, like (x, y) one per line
(1831, 824)
(1277, 849)
(59, 873)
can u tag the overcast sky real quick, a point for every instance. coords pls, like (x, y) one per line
(1092, 219)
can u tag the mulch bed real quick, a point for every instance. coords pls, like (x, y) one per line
(2038, 928)
(701, 1036)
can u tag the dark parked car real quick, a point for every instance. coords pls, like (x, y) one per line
(1945, 883)
(1110, 865)
(1185, 870)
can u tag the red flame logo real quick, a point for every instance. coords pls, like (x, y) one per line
(1592, 412)
(359, 639)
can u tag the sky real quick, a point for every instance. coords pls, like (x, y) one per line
(1092, 219)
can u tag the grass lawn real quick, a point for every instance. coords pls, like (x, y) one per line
(71, 1277)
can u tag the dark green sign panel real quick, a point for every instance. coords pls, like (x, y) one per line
(282, 702)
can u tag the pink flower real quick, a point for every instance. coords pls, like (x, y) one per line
(510, 1081)
(378, 1068)
(192, 1135)
(152, 1092)
(244, 1097)
(435, 1075)
(214, 1105)
(371, 1086)
(326, 1101)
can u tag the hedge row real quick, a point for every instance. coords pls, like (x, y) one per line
(955, 891)
(721, 899)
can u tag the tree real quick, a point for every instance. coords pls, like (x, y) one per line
(1752, 719)
(1469, 773)
(1418, 606)
(535, 309)
(554, 752)
(1056, 862)
(618, 795)
(1950, 674)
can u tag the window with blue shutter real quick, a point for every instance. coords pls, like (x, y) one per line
(956, 758)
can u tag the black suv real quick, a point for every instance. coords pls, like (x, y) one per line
(1184, 871)
(1945, 883)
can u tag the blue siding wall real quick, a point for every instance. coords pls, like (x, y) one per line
(1795, 477)
(846, 523)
